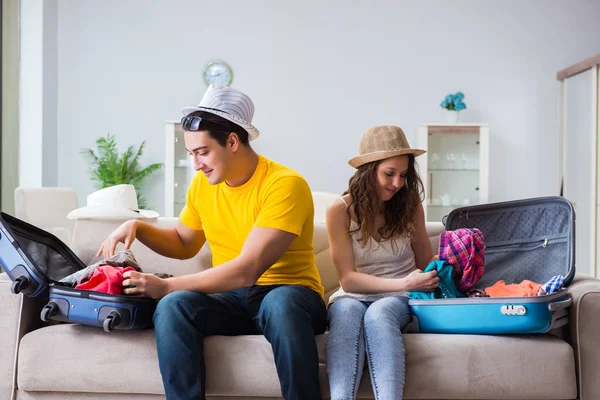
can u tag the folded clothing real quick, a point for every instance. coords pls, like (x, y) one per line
(552, 286)
(446, 288)
(464, 249)
(524, 289)
(106, 279)
(122, 258)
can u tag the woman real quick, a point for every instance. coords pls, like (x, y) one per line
(380, 248)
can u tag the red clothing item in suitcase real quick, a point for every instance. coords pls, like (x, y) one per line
(106, 279)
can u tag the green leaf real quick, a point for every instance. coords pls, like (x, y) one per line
(108, 168)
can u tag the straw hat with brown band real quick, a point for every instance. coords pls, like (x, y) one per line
(381, 142)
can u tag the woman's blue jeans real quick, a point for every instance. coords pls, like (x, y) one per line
(288, 316)
(372, 329)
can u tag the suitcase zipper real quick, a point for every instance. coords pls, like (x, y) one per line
(524, 245)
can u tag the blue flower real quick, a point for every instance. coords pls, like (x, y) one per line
(459, 106)
(454, 102)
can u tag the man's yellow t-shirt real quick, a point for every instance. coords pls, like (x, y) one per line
(274, 197)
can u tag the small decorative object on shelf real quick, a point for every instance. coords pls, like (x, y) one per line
(453, 104)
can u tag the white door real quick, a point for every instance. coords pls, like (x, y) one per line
(580, 163)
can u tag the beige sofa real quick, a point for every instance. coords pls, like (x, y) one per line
(62, 362)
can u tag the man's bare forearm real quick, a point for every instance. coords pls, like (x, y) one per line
(164, 241)
(230, 276)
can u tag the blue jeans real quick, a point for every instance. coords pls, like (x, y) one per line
(357, 329)
(288, 316)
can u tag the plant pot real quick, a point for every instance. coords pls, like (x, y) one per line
(452, 116)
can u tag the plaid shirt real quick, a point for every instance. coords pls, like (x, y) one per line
(464, 249)
(553, 285)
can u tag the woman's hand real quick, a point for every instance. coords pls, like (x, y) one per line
(422, 281)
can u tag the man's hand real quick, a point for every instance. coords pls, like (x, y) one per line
(123, 234)
(148, 285)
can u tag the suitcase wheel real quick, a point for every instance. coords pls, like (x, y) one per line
(111, 321)
(19, 284)
(49, 311)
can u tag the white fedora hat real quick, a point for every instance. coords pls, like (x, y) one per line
(230, 104)
(113, 202)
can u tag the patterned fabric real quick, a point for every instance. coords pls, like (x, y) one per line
(477, 293)
(464, 249)
(552, 286)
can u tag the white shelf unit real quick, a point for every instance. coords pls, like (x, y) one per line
(178, 169)
(455, 169)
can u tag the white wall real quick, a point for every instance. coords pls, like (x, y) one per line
(50, 106)
(31, 100)
(38, 87)
(320, 73)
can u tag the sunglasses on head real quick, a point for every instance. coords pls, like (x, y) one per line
(193, 123)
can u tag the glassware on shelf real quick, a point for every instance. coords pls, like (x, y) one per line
(450, 158)
(445, 199)
(435, 158)
(465, 161)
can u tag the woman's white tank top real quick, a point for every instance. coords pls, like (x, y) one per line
(378, 259)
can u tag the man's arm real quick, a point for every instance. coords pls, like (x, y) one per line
(262, 248)
(179, 242)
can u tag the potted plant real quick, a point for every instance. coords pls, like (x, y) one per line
(453, 104)
(109, 168)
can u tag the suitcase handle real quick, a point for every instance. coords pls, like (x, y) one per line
(557, 305)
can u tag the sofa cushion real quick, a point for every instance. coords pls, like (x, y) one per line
(76, 358)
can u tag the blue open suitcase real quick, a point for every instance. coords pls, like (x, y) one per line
(36, 260)
(531, 239)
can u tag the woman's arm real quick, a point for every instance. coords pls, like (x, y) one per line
(420, 241)
(351, 280)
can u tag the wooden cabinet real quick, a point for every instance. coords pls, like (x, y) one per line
(455, 169)
(579, 110)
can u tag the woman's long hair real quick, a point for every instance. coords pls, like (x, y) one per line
(399, 212)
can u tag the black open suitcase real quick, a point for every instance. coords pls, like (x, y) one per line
(531, 239)
(36, 260)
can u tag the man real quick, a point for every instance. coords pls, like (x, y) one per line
(257, 217)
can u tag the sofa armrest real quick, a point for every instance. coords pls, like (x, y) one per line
(584, 316)
(19, 315)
